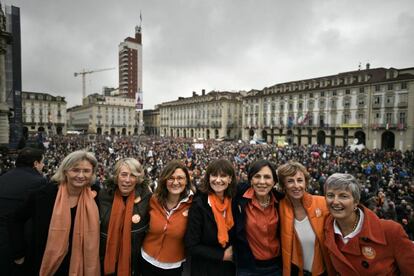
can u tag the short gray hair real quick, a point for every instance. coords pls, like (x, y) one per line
(346, 182)
(133, 164)
(71, 160)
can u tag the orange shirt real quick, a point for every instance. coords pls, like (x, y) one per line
(164, 240)
(261, 227)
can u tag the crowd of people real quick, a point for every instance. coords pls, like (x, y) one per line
(155, 197)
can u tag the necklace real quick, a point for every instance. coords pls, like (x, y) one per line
(266, 203)
(356, 221)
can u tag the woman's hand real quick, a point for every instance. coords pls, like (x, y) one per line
(228, 254)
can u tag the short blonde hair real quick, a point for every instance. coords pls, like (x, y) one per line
(133, 164)
(71, 160)
(290, 169)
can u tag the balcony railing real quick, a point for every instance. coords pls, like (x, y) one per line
(402, 104)
(386, 126)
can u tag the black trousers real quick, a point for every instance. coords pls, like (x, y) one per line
(151, 270)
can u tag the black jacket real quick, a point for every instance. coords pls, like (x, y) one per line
(15, 185)
(106, 197)
(201, 241)
(242, 252)
(38, 207)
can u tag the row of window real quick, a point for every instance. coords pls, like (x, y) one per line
(347, 91)
(346, 118)
(389, 100)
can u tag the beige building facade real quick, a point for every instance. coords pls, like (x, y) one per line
(373, 107)
(206, 116)
(42, 112)
(104, 115)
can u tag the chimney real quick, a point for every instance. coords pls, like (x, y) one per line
(367, 65)
(194, 93)
(203, 92)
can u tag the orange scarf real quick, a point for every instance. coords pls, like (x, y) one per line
(118, 245)
(224, 224)
(84, 258)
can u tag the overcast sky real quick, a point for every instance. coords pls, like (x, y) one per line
(189, 45)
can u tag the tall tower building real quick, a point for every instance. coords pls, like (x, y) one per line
(14, 76)
(130, 67)
(5, 39)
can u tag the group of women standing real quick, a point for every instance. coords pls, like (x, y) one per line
(225, 228)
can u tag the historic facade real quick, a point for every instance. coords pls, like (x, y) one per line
(369, 106)
(212, 115)
(104, 115)
(152, 121)
(43, 113)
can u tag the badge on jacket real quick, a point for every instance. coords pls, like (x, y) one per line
(368, 252)
(136, 218)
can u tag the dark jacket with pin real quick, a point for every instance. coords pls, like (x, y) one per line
(138, 230)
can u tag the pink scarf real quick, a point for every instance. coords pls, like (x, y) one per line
(84, 258)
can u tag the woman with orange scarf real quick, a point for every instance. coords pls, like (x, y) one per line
(302, 219)
(210, 221)
(65, 217)
(124, 218)
(163, 247)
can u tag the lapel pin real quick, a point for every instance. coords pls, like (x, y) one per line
(318, 212)
(368, 252)
(136, 218)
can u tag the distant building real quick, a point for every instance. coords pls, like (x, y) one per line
(212, 115)
(109, 91)
(374, 107)
(104, 115)
(43, 113)
(152, 121)
(130, 73)
(5, 39)
(14, 75)
(130, 65)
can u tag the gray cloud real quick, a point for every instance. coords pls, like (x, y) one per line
(224, 45)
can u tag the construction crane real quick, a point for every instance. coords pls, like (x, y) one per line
(83, 74)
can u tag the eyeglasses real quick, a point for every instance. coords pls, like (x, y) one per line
(180, 179)
(79, 171)
(126, 175)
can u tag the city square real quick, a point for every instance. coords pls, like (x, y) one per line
(165, 93)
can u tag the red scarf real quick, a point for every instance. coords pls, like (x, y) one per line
(224, 224)
(84, 258)
(118, 245)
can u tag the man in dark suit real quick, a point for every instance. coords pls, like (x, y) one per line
(15, 185)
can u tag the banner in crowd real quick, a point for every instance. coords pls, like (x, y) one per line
(139, 102)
